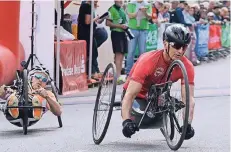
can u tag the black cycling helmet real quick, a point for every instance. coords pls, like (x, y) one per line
(177, 34)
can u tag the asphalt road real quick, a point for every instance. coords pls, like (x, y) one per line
(211, 123)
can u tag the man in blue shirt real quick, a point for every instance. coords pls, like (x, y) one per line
(176, 15)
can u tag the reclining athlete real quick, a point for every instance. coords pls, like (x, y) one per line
(37, 96)
(150, 69)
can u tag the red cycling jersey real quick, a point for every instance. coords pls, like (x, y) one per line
(150, 69)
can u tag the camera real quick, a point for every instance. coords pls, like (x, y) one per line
(129, 34)
(104, 16)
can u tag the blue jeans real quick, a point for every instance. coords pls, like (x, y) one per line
(100, 36)
(140, 39)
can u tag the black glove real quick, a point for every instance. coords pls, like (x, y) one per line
(189, 132)
(129, 128)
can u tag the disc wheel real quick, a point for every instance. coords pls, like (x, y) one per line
(175, 120)
(104, 107)
(25, 98)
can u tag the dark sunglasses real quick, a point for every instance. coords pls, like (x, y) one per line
(39, 76)
(178, 46)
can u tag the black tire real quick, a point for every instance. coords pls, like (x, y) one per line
(26, 103)
(171, 114)
(56, 96)
(99, 139)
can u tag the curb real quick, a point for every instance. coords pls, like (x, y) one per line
(91, 99)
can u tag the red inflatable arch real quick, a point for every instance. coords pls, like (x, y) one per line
(11, 50)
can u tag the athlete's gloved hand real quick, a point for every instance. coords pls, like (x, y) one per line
(189, 132)
(129, 128)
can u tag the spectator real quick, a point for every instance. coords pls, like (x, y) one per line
(188, 13)
(166, 8)
(100, 33)
(139, 13)
(84, 23)
(196, 14)
(211, 19)
(203, 16)
(211, 6)
(224, 13)
(155, 10)
(163, 17)
(188, 16)
(116, 22)
(176, 15)
(210, 16)
(173, 16)
(216, 11)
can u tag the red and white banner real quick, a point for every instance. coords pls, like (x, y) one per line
(214, 37)
(73, 66)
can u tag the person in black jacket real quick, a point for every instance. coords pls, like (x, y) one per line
(84, 24)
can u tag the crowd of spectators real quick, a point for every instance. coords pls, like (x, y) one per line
(137, 15)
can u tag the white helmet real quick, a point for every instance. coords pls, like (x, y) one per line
(37, 69)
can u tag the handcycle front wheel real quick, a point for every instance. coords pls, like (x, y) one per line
(99, 132)
(171, 113)
(26, 103)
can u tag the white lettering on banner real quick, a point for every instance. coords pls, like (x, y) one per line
(214, 39)
(76, 69)
(67, 71)
(151, 38)
(82, 64)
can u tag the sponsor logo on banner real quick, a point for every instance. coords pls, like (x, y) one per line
(73, 66)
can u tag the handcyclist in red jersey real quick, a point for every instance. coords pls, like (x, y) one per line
(151, 67)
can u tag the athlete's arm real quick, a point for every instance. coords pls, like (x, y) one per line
(137, 79)
(191, 100)
(131, 92)
(55, 108)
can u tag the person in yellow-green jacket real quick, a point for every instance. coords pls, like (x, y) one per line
(139, 13)
(117, 22)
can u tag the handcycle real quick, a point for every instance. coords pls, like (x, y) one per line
(161, 106)
(21, 86)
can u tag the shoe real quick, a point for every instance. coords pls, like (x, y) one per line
(100, 75)
(37, 112)
(95, 77)
(120, 81)
(90, 81)
(13, 101)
